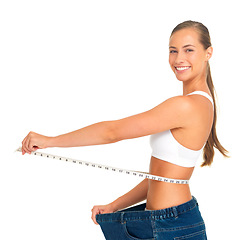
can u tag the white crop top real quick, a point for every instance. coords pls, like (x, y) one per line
(165, 146)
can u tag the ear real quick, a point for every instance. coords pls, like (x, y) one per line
(209, 53)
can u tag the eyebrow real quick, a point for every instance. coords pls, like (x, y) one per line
(188, 45)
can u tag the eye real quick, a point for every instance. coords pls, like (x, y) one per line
(189, 50)
(173, 51)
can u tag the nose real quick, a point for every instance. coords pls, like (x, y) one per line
(180, 58)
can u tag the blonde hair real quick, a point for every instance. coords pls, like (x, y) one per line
(213, 141)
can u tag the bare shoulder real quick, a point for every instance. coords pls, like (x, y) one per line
(188, 102)
(181, 104)
(178, 110)
(199, 103)
(188, 109)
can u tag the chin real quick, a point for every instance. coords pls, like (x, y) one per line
(182, 79)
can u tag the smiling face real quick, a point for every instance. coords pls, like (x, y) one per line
(188, 58)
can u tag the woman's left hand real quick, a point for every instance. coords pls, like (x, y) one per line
(101, 209)
(34, 141)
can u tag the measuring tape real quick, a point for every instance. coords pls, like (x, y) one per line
(109, 168)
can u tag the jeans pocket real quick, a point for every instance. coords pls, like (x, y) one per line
(201, 235)
(138, 230)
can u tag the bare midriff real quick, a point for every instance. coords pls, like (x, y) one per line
(163, 195)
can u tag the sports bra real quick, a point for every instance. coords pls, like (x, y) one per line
(165, 147)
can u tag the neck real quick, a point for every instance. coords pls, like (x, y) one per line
(195, 85)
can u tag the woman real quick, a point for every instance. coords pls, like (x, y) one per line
(180, 128)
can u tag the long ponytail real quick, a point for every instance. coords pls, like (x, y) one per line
(213, 141)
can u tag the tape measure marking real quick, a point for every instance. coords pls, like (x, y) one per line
(109, 168)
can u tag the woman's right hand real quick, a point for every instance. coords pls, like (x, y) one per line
(34, 141)
(101, 209)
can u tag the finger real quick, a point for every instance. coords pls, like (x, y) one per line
(94, 213)
(31, 146)
(94, 219)
(24, 145)
(27, 143)
(35, 148)
(31, 143)
(23, 148)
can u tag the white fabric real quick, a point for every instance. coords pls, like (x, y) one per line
(202, 94)
(165, 147)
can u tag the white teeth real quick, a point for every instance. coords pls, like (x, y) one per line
(181, 68)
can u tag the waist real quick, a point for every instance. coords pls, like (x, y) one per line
(164, 195)
(166, 169)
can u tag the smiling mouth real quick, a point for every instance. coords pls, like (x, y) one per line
(181, 68)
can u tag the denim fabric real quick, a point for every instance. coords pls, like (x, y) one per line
(175, 223)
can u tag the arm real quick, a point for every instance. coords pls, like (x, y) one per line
(136, 195)
(172, 113)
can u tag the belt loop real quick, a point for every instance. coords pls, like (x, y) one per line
(175, 212)
(122, 221)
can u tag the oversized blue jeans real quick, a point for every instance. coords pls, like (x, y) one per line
(175, 223)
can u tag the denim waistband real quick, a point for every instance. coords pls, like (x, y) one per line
(147, 215)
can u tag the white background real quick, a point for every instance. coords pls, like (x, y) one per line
(67, 64)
